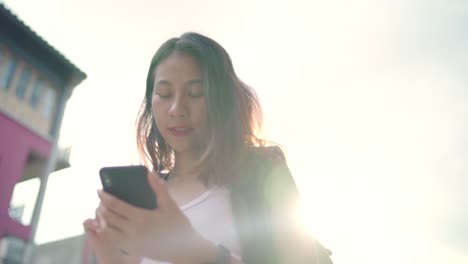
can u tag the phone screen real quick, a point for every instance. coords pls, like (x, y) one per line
(130, 184)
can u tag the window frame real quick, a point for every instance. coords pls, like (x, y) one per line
(9, 72)
(23, 81)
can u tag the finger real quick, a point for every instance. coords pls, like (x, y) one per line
(113, 237)
(99, 220)
(159, 187)
(118, 206)
(115, 212)
(90, 225)
(112, 220)
(101, 223)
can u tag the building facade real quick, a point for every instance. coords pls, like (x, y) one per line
(35, 84)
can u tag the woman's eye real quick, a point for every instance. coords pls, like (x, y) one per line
(196, 94)
(163, 95)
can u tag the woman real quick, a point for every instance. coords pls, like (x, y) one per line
(223, 196)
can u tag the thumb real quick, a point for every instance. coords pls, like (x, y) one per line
(160, 189)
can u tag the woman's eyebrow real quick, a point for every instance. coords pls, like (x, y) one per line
(162, 82)
(193, 82)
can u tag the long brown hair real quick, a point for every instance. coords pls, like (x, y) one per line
(233, 111)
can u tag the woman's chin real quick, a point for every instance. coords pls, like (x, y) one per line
(183, 148)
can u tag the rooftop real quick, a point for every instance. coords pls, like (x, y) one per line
(13, 28)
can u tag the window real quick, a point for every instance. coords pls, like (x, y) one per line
(36, 93)
(9, 73)
(23, 83)
(49, 99)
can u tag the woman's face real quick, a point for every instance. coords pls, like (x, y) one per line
(178, 102)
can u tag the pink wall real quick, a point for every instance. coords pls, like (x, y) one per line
(16, 142)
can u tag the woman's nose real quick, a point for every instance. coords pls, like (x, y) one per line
(178, 108)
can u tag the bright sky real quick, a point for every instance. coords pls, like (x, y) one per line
(368, 97)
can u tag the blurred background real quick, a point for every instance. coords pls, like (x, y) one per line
(368, 97)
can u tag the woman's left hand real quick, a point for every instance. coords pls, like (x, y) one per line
(163, 234)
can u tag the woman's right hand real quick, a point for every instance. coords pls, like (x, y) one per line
(104, 253)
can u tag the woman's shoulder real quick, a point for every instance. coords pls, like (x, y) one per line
(259, 164)
(265, 165)
(272, 153)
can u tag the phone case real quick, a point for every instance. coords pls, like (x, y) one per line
(130, 184)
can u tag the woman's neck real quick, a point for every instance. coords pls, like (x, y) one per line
(185, 166)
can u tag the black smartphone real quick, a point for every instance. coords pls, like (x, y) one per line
(130, 184)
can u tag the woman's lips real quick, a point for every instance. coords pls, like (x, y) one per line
(180, 131)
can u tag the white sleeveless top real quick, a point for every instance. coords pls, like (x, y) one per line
(211, 215)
